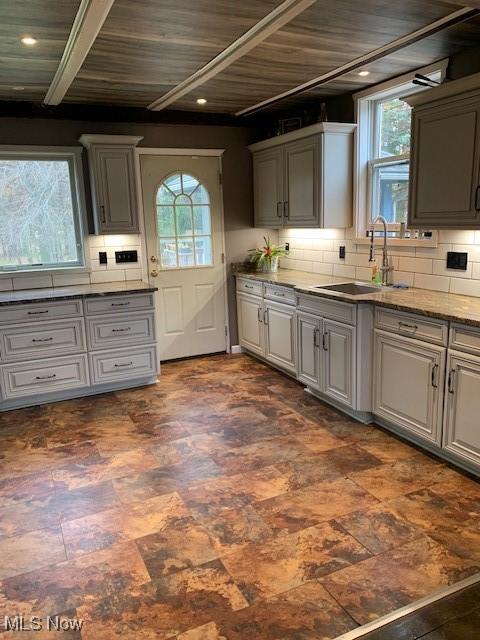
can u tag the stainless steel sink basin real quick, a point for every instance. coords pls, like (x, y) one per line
(351, 288)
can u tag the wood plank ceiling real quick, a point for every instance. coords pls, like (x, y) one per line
(146, 48)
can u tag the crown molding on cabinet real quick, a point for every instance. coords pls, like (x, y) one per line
(320, 127)
(89, 20)
(87, 139)
(446, 90)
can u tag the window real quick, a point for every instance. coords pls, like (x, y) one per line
(40, 220)
(383, 151)
(184, 223)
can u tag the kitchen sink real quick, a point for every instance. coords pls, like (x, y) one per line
(352, 288)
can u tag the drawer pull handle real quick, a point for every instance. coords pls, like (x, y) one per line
(325, 341)
(259, 314)
(102, 208)
(42, 339)
(248, 286)
(477, 198)
(120, 304)
(279, 294)
(451, 381)
(120, 330)
(36, 313)
(405, 325)
(279, 209)
(54, 375)
(123, 364)
(316, 335)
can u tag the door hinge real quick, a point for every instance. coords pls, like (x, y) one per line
(223, 258)
(220, 178)
(226, 330)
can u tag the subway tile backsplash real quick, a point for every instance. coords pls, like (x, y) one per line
(110, 272)
(316, 251)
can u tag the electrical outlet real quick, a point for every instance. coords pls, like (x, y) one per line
(126, 256)
(457, 260)
(102, 257)
(341, 252)
(287, 247)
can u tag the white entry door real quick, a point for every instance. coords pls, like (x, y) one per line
(184, 235)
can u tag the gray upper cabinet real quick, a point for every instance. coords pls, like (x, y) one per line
(445, 170)
(268, 188)
(113, 183)
(304, 178)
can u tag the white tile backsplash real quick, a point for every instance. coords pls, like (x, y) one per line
(316, 251)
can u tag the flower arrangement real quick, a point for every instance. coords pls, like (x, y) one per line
(266, 257)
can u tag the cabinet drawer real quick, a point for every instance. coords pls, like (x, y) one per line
(465, 338)
(117, 330)
(106, 304)
(280, 294)
(41, 311)
(342, 311)
(123, 364)
(412, 326)
(253, 287)
(44, 376)
(27, 341)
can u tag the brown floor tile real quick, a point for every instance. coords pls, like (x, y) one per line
(461, 492)
(70, 584)
(24, 488)
(388, 449)
(399, 478)
(307, 612)
(308, 470)
(165, 607)
(264, 570)
(314, 504)
(393, 579)
(181, 544)
(260, 454)
(379, 528)
(453, 528)
(351, 458)
(30, 551)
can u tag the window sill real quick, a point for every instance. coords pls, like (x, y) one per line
(400, 242)
(28, 273)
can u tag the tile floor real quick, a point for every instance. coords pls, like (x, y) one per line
(223, 503)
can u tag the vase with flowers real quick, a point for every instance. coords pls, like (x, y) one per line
(266, 257)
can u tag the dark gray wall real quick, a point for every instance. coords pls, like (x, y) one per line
(240, 236)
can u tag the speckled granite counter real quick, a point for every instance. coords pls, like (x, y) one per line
(74, 291)
(447, 306)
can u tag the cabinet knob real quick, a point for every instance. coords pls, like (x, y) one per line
(154, 273)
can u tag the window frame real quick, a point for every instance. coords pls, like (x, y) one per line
(366, 143)
(180, 237)
(73, 155)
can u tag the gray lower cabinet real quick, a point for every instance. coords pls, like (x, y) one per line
(268, 181)
(338, 344)
(445, 158)
(409, 379)
(250, 322)
(113, 183)
(309, 331)
(280, 335)
(462, 431)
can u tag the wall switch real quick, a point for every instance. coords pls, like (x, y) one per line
(126, 256)
(341, 252)
(287, 247)
(457, 260)
(102, 257)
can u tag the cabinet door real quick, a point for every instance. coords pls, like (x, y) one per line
(308, 337)
(116, 199)
(408, 384)
(338, 348)
(280, 335)
(462, 404)
(250, 322)
(268, 188)
(445, 171)
(302, 183)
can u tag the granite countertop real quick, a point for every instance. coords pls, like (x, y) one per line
(74, 291)
(435, 304)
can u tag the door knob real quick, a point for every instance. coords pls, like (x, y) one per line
(153, 259)
(154, 273)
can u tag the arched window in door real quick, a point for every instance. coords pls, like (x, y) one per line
(184, 223)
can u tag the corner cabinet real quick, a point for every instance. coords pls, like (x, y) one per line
(303, 179)
(113, 183)
(445, 167)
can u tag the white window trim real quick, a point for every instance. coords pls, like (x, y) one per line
(365, 102)
(73, 155)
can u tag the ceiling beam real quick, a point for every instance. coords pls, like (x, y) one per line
(273, 21)
(449, 20)
(89, 20)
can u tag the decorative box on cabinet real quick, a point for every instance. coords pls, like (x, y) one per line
(113, 182)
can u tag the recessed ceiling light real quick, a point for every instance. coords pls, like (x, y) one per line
(29, 41)
(364, 73)
(201, 101)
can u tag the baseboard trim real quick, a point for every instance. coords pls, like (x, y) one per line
(409, 608)
(236, 348)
